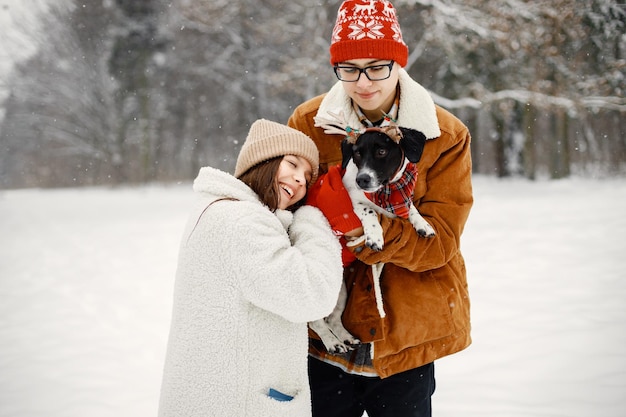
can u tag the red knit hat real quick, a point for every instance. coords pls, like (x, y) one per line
(367, 29)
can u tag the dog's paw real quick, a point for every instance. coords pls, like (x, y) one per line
(422, 227)
(352, 342)
(374, 243)
(426, 231)
(345, 347)
(332, 344)
(344, 335)
(373, 231)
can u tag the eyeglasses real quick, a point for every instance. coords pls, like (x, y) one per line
(352, 74)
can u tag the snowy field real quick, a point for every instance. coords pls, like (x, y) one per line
(86, 280)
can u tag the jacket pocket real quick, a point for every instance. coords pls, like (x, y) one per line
(298, 406)
(419, 310)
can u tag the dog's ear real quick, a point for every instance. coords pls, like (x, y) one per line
(412, 143)
(346, 153)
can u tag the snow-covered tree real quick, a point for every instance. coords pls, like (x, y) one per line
(136, 91)
(520, 60)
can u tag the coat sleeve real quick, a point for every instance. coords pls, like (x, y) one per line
(329, 146)
(443, 195)
(295, 273)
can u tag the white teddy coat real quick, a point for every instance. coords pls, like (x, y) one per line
(247, 283)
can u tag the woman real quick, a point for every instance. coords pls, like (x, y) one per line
(251, 274)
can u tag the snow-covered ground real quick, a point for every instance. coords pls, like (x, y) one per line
(86, 280)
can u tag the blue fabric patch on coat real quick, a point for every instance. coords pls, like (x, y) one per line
(279, 396)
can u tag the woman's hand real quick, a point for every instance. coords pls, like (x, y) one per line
(331, 197)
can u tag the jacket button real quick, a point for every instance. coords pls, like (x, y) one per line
(372, 331)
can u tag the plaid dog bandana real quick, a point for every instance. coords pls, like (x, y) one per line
(397, 197)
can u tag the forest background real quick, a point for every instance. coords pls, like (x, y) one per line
(107, 92)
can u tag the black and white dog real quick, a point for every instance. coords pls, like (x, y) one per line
(373, 159)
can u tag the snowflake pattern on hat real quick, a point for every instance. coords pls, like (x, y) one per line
(361, 29)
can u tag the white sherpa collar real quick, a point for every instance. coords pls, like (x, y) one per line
(417, 109)
(215, 184)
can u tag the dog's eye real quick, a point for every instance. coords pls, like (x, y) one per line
(381, 153)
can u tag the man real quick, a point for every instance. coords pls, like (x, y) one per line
(425, 304)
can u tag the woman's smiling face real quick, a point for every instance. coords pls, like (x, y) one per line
(293, 177)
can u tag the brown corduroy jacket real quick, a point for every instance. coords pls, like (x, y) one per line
(424, 287)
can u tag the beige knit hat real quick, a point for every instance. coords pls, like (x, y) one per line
(267, 140)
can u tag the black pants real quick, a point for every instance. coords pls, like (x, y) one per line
(339, 394)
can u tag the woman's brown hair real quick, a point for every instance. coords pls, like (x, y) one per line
(262, 179)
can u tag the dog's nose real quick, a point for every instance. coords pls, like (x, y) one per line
(364, 181)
